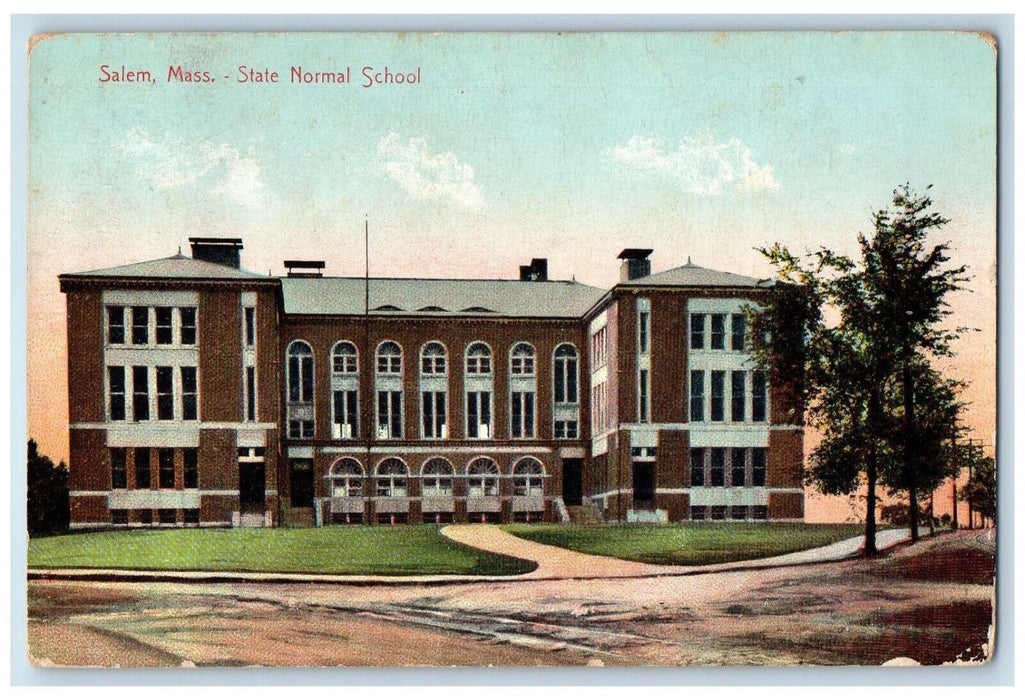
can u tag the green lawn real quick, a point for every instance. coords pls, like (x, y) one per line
(688, 544)
(388, 551)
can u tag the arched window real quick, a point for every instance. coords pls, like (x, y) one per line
(433, 359)
(436, 478)
(345, 358)
(389, 358)
(521, 360)
(478, 359)
(346, 478)
(482, 476)
(392, 475)
(528, 477)
(565, 380)
(300, 390)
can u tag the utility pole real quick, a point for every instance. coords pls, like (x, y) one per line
(971, 458)
(953, 484)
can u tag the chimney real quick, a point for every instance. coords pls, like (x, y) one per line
(221, 251)
(305, 268)
(536, 271)
(635, 264)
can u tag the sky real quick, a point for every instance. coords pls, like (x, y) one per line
(510, 146)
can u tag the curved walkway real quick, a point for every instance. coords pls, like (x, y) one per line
(554, 563)
(558, 563)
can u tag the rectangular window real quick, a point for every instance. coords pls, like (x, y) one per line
(165, 335)
(116, 325)
(119, 516)
(118, 468)
(523, 414)
(738, 512)
(738, 466)
(758, 466)
(434, 414)
(599, 348)
(697, 466)
(718, 512)
(718, 403)
(301, 483)
(250, 393)
(116, 385)
(250, 319)
(190, 468)
(140, 325)
(167, 516)
(566, 429)
(345, 415)
(165, 393)
(187, 314)
(738, 401)
(478, 414)
(718, 331)
(140, 393)
(389, 414)
(697, 331)
(697, 395)
(142, 467)
(145, 516)
(191, 516)
(165, 458)
(642, 398)
(718, 466)
(189, 387)
(643, 320)
(738, 328)
(758, 396)
(697, 512)
(759, 513)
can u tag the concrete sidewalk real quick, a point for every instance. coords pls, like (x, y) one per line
(554, 564)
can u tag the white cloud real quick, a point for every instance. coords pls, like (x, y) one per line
(428, 175)
(700, 165)
(168, 164)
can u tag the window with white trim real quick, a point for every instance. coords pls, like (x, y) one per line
(301, 408)
(433, 359)
(187, 316)
(521, 360)
(528, 477)
(250, 326)
(436, 478)
(165, 393)
(345, 358)
(116, 393)
(565, 379)
(190, 393)
(522, 414)
(738, 398)
(759, 397)
(140, 393)
(389, 358)
(478, 414)
(392, 478)
(115, 325)
(478, 359)
(345, 414)
(718, 338)
(479, 389)
(389, 415)
(140, 325)
(482, 475)
(434, 415)
(738, 332)
(697, 331)
(717, 403)
(346, 477)
(697, 395)
(165, 327)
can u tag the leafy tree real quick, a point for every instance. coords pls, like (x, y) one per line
(981, 489)
(865, 378)
(49, 512)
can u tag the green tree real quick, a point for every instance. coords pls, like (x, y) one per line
(981, 489)
(865, 378)
(49, 511)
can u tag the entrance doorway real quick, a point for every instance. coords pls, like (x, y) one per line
(252, 481)
(644, 485)
(572, 482)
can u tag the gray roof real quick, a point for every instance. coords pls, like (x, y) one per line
(175, 267)
(438, 297)
(691, 275)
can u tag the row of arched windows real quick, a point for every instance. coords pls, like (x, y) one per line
(436, 474)
(433, 358)
(433, 403)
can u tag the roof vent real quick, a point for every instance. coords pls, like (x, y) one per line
(220, 251)
(536, 271)
(387, 307)
(635, 264)
(305, 268)
(478, 310)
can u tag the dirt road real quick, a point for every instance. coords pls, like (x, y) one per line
(930, 602)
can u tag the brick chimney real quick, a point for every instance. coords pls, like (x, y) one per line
(635, 264)
(222, 251)
(536, 271)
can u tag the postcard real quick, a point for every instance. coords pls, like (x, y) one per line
(512, 349)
